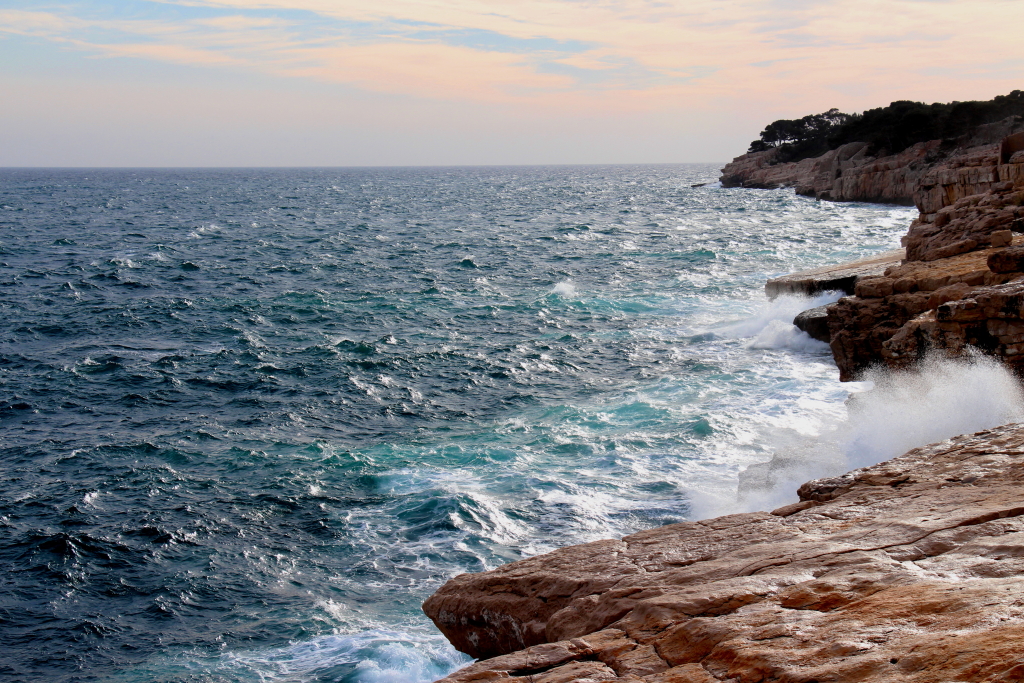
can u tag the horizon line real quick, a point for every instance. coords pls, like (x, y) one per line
(274, 167)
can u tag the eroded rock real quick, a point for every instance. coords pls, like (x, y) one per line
(839, 278)
(930, 174)
(1009, 260)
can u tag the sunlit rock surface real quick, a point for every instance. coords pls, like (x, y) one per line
(840, 278)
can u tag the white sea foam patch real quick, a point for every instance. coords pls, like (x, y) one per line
(375, 656)
(778, 334)
(946, 398)
(564, 288)
(891, 413)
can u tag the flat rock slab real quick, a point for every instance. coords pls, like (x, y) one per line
(842, 278)
(907, 571)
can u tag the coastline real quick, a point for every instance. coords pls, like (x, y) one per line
(862, 580)
(797, 594)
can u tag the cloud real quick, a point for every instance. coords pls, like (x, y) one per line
(29, 23)
(424, 70)
(549, 51)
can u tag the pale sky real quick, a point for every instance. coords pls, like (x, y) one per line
(439, 82)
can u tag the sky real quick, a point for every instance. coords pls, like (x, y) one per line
(467, 82)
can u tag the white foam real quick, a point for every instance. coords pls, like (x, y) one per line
(781, 310)
(378, 656)
(564, 288)
(889, 414)
(946, 398)
(784, 335)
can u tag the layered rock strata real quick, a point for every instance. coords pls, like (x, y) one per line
(907, 571)
(955, 290)
(842, 278)
(883, 322)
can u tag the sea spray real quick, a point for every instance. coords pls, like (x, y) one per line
(944, 397)
(889, 413)
(774, 316)
(564, 288)
(372, 656)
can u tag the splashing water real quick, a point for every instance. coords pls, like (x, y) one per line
(890, 413)
(564, 288)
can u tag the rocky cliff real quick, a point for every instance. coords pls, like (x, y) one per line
(908, 571)
(958, 252)
(959, 286)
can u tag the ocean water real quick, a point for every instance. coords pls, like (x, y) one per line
(251, 419)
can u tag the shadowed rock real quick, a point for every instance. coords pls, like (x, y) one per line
(814, 322)
(1008, 260)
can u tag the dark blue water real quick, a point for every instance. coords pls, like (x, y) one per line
(250, 419)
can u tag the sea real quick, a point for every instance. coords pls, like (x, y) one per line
(251, 418)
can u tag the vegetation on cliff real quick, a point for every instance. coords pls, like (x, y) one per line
(888, 130)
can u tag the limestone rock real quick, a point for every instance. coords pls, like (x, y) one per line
(971, 198)
(906, 571)
(888, 320)
(970, 222)
(930, 174)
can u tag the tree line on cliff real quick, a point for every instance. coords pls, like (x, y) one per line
(888, 130)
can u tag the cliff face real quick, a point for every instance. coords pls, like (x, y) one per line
(907, 571)
(844, 174)
(885, 321)
(930, 174)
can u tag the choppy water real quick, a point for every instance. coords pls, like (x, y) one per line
(252, 418)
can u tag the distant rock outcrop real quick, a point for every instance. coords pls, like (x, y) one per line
(930, 174)
(906, 571)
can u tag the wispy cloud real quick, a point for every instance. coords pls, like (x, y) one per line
(541, 49)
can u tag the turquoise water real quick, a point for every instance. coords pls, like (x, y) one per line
(253, 418)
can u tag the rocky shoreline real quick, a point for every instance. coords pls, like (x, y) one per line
(905, 571)
(959, 283)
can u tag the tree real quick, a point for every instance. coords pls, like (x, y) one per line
(887, 130)
(804, 136)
